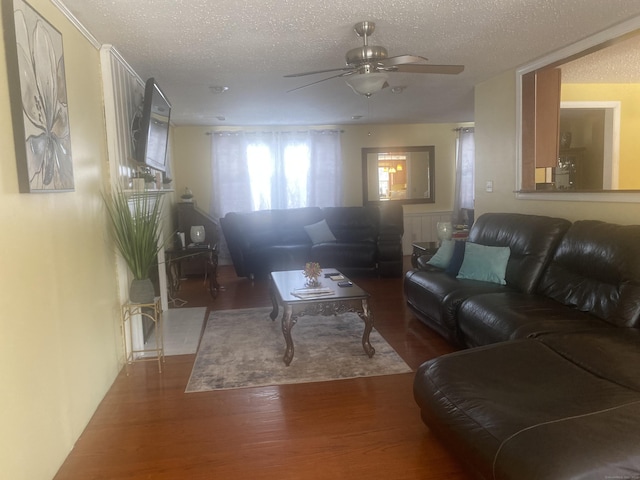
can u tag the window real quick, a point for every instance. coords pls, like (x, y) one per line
(269, 170)
(465, 173)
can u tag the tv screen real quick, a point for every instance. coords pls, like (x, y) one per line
(151, 146)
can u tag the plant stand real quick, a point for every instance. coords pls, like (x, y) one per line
(153, 312)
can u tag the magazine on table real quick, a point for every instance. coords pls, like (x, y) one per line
(312, 292)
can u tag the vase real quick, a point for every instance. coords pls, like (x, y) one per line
(313, 282)
(197, 234)
(141, 291)
(445, 230)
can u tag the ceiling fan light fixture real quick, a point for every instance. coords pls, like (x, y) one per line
(367, 83)
(218, 89)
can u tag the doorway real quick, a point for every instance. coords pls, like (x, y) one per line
(592, 152)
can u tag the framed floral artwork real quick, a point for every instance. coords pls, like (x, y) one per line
(39, 103)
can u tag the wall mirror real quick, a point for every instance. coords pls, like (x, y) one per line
(578, 111)
(398, 174)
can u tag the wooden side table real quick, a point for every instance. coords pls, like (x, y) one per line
(422, 248)
(153, 312)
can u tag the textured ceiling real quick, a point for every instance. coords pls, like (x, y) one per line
(618, 63)
(248, 45)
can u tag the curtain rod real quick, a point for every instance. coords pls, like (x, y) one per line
(464, 129)
(273, 131)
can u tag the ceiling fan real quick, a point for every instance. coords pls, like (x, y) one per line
(367, 67)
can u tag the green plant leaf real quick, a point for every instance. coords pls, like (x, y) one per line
(135, 220)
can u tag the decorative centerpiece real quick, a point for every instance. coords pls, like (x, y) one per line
(187, 195)
(312, 272)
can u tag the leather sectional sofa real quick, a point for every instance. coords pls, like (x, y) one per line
(550, 388)
(355, 240)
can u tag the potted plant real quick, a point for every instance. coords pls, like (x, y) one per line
(135, 226)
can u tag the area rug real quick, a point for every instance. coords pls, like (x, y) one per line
(181, 330)
(244, 348)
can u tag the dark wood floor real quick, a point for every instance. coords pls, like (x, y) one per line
(148, 428)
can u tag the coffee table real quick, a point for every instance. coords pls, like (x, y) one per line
(339, 300)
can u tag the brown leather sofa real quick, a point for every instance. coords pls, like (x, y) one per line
(367, 240)
(561, 406)
(552, 388)
(435, 295)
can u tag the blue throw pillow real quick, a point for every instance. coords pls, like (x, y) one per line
(442, 257)
(485, 263)
(320, 232)
(456, 258)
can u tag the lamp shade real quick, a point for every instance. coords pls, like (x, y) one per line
(197, 233)
(367, 83)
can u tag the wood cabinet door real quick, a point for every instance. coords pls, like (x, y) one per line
(540, 122)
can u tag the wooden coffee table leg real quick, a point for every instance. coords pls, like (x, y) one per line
(274, 301)
(288, 321)
(367, 317)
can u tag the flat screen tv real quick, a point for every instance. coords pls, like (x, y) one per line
(153, 134)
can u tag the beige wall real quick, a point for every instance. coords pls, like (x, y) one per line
(59, 343)
(495, 135)
(192, 159)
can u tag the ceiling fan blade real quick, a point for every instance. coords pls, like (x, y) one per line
(318, 71)
(441, 69)
(321, 80)
(402, 59)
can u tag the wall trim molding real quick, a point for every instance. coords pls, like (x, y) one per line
(113, 51)
(81, 28)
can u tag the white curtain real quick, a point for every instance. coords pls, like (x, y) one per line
(267, 170)
(465, 172)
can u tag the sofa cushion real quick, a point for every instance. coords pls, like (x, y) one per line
(457, 258)
(290, 224)
(442, 257)
(435, 297)
(612, 353)
(522, 411)
(259, 228)
(497, 317)
(344, 255)
(596, 269)
(320, 232)
(481, 262)
(531, 238)
(353, 224)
